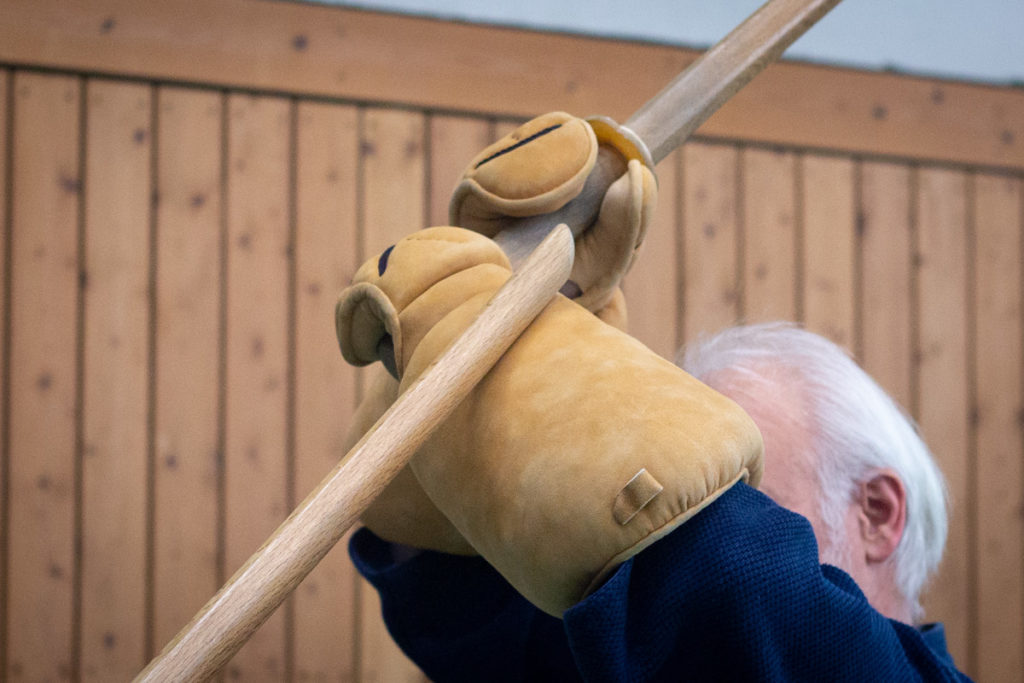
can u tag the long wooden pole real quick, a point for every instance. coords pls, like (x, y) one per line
(228, 620)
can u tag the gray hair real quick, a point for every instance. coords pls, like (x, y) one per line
(858, 428)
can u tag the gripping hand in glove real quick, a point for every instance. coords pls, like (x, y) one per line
(542, 166)
(403, 513)
(578, 449)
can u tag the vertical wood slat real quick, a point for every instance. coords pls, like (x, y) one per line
(116, 379)
(769, 235)
(942, 385)
(651, 287)
(259, 256)
(885, 335)
(829, 246)
(44, 331)
(5, 310)
(454, 142)
(187, 373)
(711, 288)
(1000, 524)
(392, 206)
(326, 258)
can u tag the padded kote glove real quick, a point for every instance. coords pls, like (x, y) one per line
(542, 166)
(578, 449)
(402, 512)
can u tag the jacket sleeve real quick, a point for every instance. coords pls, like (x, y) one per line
(459, 620)
(737, 593)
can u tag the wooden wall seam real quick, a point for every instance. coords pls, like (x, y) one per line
(43, 436)
(6, 228)
(913, 285)
(149, 636)
(998, 544)
(799, 242)
(971, 380)
(856, 344)
(290, 363)
(223, 570)
(740, 267)
(80, 407)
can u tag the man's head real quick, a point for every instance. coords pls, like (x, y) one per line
(840, 452)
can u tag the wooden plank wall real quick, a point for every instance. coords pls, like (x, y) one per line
(169, 258)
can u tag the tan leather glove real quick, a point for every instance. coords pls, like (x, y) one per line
(403, 513)
(577, 450)
(542, 166)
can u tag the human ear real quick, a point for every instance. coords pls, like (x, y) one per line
(882, 514)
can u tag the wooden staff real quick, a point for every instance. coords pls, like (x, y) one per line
(543, 263)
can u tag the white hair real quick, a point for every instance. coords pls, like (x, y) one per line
(858, 428)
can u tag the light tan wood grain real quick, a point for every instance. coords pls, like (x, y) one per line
(943, 392)
(710, 275)
(886, 293)
(187, 470)
(116, 379)
(393, 166)
(829, 245)
(258, 254)
(998, 220)
(769, 234)
(325, 386)
(5, 310)
(43, 353)
(454, 142)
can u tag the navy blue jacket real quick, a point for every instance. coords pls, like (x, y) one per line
(735, 594)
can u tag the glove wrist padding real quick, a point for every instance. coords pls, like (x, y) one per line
(578, 449)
